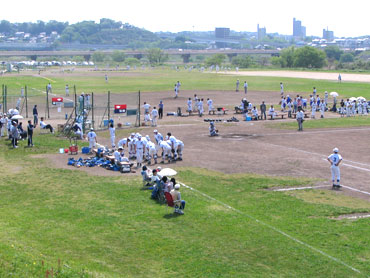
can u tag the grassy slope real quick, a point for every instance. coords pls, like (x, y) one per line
(113, 229)
(163, 80)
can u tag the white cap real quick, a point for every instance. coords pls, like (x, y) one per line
(91, 129)
(335, 150)
(132, 134)
(147, 137)
(155, 131)
(177, 186)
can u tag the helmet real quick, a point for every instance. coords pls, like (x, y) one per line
(91, 129)
(335, 150)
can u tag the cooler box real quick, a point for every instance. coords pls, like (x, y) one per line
(248, 118)
(85, 150)
(73, 149)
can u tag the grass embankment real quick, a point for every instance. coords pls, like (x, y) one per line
(357, 121)
(153, 80)
(111, 228)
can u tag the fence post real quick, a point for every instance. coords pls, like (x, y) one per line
(92, 110)
(25, 89)
(6, 98)
(83, 114)
(108, 106)
(3, 94)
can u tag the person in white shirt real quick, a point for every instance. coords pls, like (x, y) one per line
(139, 150)
(91, 137)
(313, 110)
(255, 113)
(289, 104)
(131, 146)
(348, 107)
(122, 143)
(166, 151)
(147, 118)
(48, 87)
(326, 97)
(322, 109)
(173, 144)
(176, 91)
(112, 132)
(154, 116)
(3, 122)
(190, 105)
(300, 116)
(359, 107)
(43, 125)
(152, 152)
(118, 155)
(335, 159)
(146, 107)
(210, 105)
(364, 107)
(180, 149)
(176, 197)
(67, 90)
(200, 108)
(158, 138)
(245, 87)
(281, 88)
(272, 112)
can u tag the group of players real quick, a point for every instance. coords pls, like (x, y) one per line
(351, 108)
(143, 149)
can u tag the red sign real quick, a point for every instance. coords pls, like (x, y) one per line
(120, 108)
(56, 100)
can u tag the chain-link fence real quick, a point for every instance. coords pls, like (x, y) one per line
(89, 109)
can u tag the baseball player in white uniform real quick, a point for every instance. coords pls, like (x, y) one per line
(166, 151)
(154, 114)
(152, 152)
(200, 107)
(190, 105)
(335, 159)
(322, 108)
(364, 107)
(173, 143)
(313, 112)
(139, 150)
(158, 138)
(112, 132)
(131, 146)
(91, 136)
(210, 105)
(180, 148)
(123, 142)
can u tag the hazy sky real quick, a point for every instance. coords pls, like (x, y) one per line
(345, 18)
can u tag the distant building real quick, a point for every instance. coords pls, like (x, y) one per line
(261, 32)
(328, 35)
(299, 31)
(222, 33)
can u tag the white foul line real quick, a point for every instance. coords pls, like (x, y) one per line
(357, 190)
(273, 228)
(299, 188)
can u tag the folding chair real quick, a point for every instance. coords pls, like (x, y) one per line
(170, 202)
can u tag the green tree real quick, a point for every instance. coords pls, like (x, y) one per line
(217, 59)
(309, 57)
(287, 57)
(333, 52)
(98, 57)
(346, 58)
(132, 61)
(118, 56)
(156, 56)
(242, 62)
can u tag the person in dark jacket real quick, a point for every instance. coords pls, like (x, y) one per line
(30, 128)
(35, 116)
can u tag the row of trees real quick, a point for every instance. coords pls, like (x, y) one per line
(34, 29)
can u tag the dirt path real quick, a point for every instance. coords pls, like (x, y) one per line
(306, 74)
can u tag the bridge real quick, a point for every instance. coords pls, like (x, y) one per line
(34, 53)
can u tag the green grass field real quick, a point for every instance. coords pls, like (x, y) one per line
(109, 227)
(79, 225)
(326, 123)
(164, 80)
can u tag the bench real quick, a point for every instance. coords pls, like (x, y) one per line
(278, 116)
(221, 110)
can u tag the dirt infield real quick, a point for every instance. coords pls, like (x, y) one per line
(258, 147)
(304, 74)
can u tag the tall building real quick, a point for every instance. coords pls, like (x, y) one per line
(327, 35)
(261, 32)
(222, 33)
(299, 31)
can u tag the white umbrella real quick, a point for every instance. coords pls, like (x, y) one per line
(17, 117)
(334, 94)
(168, 172)
(361, 98)
(352, 99)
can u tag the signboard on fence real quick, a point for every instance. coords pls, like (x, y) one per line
(120, 108)
(56, 100)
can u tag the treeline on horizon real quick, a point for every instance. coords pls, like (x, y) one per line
(106, 31)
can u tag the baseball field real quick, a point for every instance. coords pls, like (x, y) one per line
(258, 197)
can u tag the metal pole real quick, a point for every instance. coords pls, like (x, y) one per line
(83, 114)
(139, 109)
(108, 106)
(3, 94)
(92, 111)
(47, 102)
(74, 90)
(25, 89)
(6, 98)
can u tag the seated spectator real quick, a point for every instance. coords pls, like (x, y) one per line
(147, 118)
(118, 155)
(167, 184)
(77, 129)
(43, 125)
(254, 113)
(212, 129)
(176, 196)
(146, 173)
(156, 182)
(272, 112)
